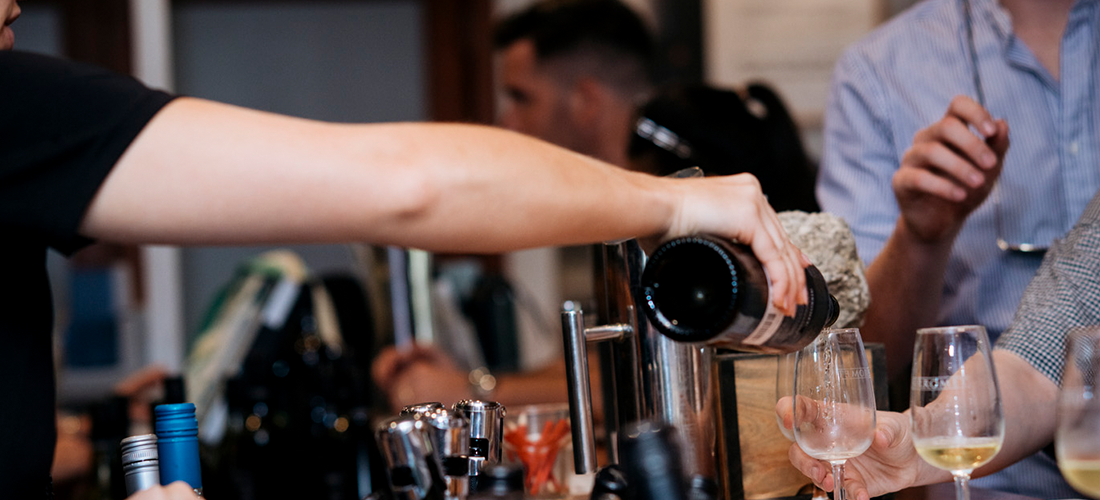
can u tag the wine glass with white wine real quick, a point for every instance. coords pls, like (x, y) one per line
(834, 401)
(955, 404)
(1078, 437)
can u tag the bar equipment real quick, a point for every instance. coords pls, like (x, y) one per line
(646, 374)
(422, 408)
(411, 460)
(501, 482)
(486, 432)
(450, 434)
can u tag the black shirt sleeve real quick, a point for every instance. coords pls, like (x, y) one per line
(63, 126)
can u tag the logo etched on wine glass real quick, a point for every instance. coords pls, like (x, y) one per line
(955, 404)
(834, 401)
(934, 383)
(1077, 439)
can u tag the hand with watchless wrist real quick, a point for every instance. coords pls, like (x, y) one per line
(950, 170)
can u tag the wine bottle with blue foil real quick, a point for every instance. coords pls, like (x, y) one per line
(178, 445)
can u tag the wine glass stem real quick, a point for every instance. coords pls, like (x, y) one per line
(962, 486)
(838, 480)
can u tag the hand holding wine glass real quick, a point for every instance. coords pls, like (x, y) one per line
(834, 401)
(1078, 437)
(955, 404)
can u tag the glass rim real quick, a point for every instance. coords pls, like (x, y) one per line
(540, 409)
(951, 329)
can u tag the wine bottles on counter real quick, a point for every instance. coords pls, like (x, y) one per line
(140, 462)
(703, 289)
(651, 463)
(110, 424)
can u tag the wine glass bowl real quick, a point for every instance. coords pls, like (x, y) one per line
(784, 388)
(834, 401)
(784, 392)
(955, 403)
(1077, 439)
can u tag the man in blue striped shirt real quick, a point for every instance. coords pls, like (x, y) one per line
(950, 235)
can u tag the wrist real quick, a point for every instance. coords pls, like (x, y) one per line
(664, 199)
(940, 242)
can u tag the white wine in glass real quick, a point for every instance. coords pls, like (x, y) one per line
(958, 454)
(955, 404)
(834, 401)
(1078, 437)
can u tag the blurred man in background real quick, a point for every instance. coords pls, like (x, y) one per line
(573, 72)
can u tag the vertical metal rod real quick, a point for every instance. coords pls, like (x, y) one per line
(580, 392)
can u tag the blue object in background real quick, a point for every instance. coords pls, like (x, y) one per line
(92, 339)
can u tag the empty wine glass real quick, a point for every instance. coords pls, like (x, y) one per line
(955, 404)
(784, 388)
(834, 403)
(1078, 437)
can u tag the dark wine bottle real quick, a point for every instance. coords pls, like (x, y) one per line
(704, 289)
(110, 423)
(651, 462)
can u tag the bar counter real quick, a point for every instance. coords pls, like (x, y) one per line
(944, 491)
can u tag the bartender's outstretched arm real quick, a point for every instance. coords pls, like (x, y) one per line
(208, 173)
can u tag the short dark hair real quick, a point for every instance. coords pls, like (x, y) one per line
(565, 27)
(724, 133)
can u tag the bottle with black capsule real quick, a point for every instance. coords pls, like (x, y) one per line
(651, 463)
(609, 484)
(110, 423)
(178, 445)
(704, 289)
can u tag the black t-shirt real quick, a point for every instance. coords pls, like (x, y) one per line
(62, 128)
